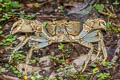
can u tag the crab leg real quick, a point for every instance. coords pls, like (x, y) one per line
(96, 36)
(98, 51)
(43, 43)
(89, 45)
(102, 45)
(91, 37)
(21, 44)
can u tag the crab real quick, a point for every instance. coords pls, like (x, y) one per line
(63, 31)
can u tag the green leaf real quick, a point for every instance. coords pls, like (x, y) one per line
(1, 9)
(93, 65)
(7, 65)
(118, 29)
(1, 43)
(95, 70)
(15, 4)
(21, 12)
(103, 76)
(1, 0)
(7, 6)
(30, 16)
(82, 77)
(116, 3)
(36, 5)
(0, 69)
(44, 24)
(19, 75)
(60, 46)
(60, 7)
(59, 69)
(99, 7)
(5, 16)
(13, 68)
(2, 19)
(107, 1)
(1, 32)
(108, 24)
(6, 0)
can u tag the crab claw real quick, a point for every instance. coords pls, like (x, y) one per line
(24, 26)
(102, 23)
(93, 24)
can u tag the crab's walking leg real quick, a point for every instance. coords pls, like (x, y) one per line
(94, 37)
(98, 51)
(43, 43)
(39, 39)
(89, 45)
(102, 45)
(21, 44)
(91, 37)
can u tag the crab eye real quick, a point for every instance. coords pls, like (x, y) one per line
(102, 23)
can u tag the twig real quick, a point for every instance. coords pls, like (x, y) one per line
(108, 14)
(117, 25)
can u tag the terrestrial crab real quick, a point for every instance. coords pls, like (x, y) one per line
(63, 31)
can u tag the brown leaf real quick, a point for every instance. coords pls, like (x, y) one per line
(67, 61)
